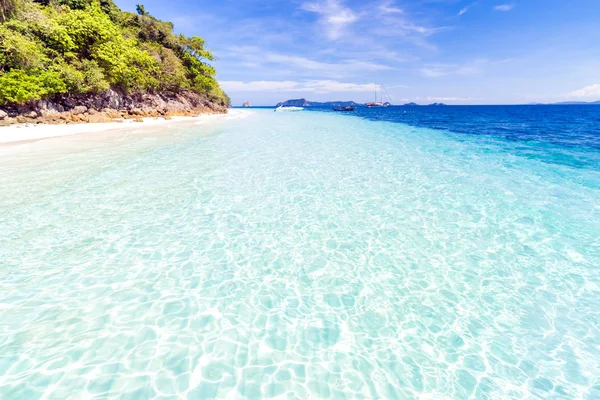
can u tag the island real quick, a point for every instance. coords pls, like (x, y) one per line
(327, 104)
(418, 105)
(88, 61)
(305, 103)
(573, 103)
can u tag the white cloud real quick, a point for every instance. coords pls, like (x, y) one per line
(258, 86)
(334, 16)
(326, 86)
(462, 11)
(254, 57)
(312, 86)
(504, 7)
(435, 71)
(369, 25)
(471, 68)
(588, 91)
(400, 26)
(439, 70)
(442, 99)
(388, 8)
(403, 27)
(324, 66)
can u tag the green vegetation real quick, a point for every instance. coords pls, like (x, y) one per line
(48, 47)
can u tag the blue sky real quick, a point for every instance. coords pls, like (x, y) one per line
(452, 51)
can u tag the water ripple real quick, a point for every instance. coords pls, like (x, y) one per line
(296, 256)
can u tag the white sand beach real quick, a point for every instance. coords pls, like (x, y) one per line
(18, 134)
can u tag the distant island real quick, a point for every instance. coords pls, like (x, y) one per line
(576, 102)
(428, 105)
(87, 61)
(307, 103)
(326, 104)
(566, 103)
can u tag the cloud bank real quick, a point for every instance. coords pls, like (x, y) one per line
(311, 86)
(588, 91)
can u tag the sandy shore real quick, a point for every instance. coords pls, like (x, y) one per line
(16, 134)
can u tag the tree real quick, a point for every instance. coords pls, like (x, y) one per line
(50, 47)
(194, 46)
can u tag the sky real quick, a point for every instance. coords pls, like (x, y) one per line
(451, 51)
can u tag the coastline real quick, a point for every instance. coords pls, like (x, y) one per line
(25, 133)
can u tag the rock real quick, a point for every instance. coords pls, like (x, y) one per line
(112, 99)
(79, 110)
(99, 117)
(115, 106)
(49, 112)
(47, 107)
(112, 113)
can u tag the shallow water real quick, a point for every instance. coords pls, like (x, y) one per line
(299, 255)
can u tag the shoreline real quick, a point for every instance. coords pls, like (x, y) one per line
(27, 133)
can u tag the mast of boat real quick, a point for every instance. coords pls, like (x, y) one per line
(384, 91)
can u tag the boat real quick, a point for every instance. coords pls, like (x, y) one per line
(376, 103)
(246, 104)
(344, 108)
(291, 108)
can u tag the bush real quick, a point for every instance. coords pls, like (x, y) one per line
(125, 65)
(19, 51)
(20, 86)
(82, 76)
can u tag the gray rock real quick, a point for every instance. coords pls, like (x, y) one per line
(112, 99)
(79, 110)
(3, 115)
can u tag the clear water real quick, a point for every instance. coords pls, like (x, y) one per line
(299, 255)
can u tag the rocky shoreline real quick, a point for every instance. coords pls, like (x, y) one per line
(109, 106)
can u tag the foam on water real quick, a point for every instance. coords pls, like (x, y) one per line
(302, 255)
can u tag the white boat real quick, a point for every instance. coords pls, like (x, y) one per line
(381, 103)
(282, 108)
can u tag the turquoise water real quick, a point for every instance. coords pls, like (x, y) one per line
(297, 255)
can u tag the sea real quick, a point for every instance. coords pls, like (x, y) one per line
(395, 253)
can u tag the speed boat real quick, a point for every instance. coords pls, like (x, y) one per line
(282, 108)
(344, 108)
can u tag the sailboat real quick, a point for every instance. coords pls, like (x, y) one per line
(378, 96)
